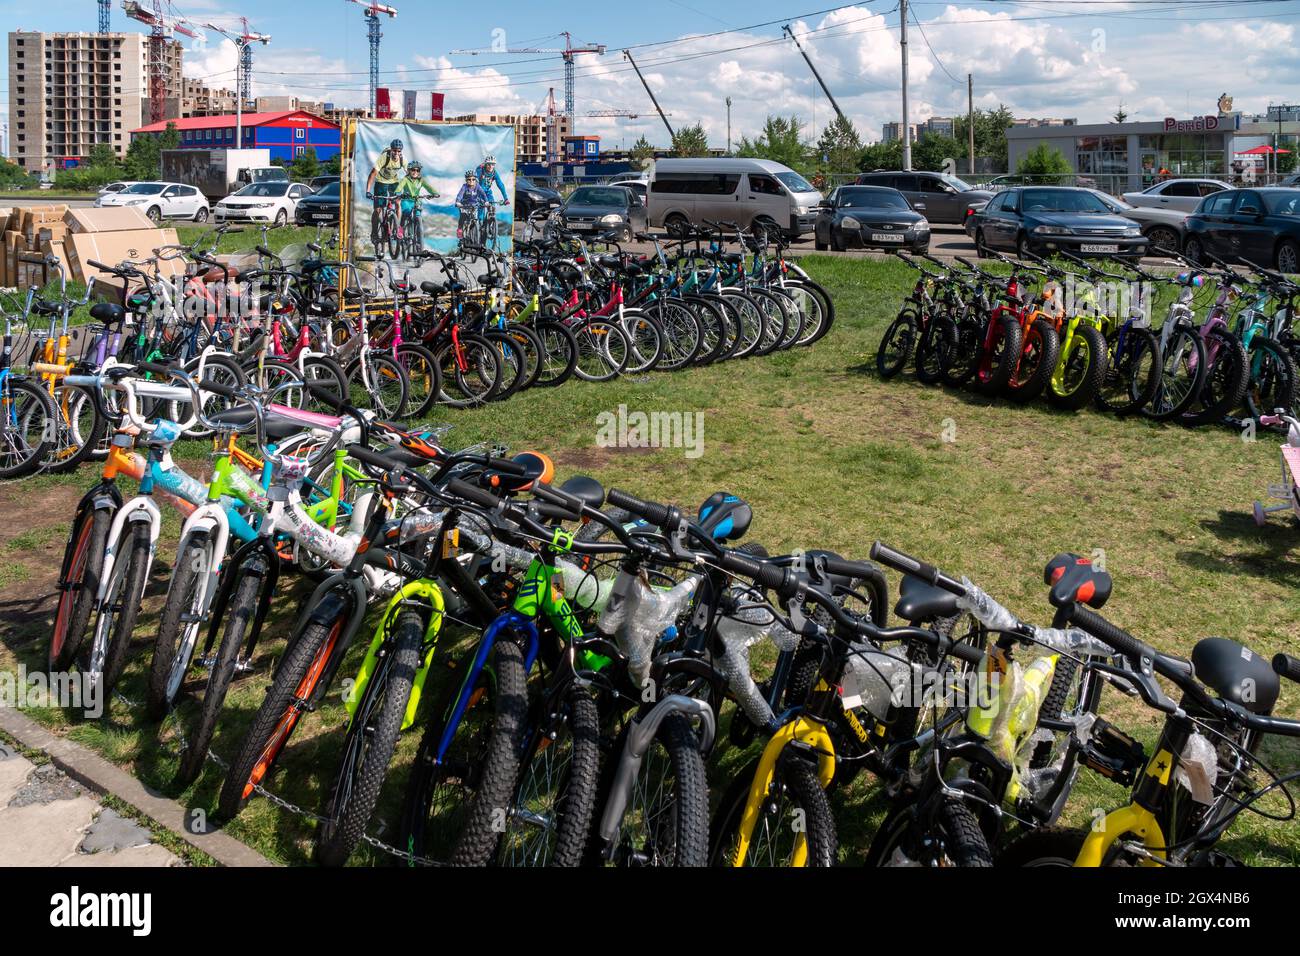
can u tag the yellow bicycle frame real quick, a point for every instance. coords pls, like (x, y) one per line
(1134, 819)
(421, 590)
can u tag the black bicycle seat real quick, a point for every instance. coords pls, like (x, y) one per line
(587, 489)
(108, 313)
(1236, 673)
(725, 517)
(429, 287)
(1074, 579)
(919, 601)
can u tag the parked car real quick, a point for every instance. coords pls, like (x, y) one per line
(262, 202)
(937, 196)
(1262, 225)
(1045, 219)
(1164, 228)
(320, 207)
(160, 201)
(1006, 180)
(623, 179)
(1184, 194)
(530, 197)
(116, 187)
(317, 183)
(751, 192)
(869, 217)
(640, 187)
(1292, 180)
(604, 208)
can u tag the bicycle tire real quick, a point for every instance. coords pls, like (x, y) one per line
(682, 334)
(78, 586)
(958, 833)
(795, 782)
(189, 575)
(1002, 359)
(32, 405)
(604, 350)
(1040, 347)
(85, 440)
(424, 378)
(1224, 387)
(646, 338)
(133, 565)
(1125, 390)
(1183, 363)
(896, 344)
(1274, 386)
(559, 353)
(1087, 340)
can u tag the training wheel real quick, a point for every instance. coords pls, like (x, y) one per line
(1261, 519)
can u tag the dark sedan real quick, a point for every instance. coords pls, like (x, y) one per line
(869, 217)
(1262, 225)
(531, 197)
(1042, 220)
(605, 209)
(320, 208)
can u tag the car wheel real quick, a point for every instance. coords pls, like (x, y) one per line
(1023, 249)
(818, 244)
(677, 226)
(201, 215)
(281, 218)
(981, 250)
(154, 213)
(1288, 257)
(837, 240)
(1193, 249)
(1163, 239)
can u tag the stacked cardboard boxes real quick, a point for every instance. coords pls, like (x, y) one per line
(75, 237)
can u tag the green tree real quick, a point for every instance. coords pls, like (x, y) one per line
(332, 166)
(780, 142)
(1121, 114)
(932, 150)
(839, 147)
(11, 175)
(1286, 161)
(143, 158)
(102, 155)
(169, 138)
(882, 156)
(305, 165)
(990, 134)
(641, 153)
(691, 141)
(1046, 164)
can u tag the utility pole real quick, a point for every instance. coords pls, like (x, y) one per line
(970, 121)
(907, 125)
(817, 76)
(243, 65)
(729, 125)
(671, 134)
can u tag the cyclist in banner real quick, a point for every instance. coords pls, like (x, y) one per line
(408, 191)
(382, 183)
(487, 175)
(471, 201)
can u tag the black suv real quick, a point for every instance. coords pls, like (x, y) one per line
(937, 196)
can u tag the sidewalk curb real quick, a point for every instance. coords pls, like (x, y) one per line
(93, 771)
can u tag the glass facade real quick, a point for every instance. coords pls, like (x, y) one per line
(1102, 155)
(1183, 154)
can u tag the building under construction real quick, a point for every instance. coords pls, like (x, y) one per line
(70, 92)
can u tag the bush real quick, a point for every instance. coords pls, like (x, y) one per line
(1047, 165)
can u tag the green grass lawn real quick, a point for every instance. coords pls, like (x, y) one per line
(829, 456)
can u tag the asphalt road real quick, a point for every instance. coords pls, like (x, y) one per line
(39, 198)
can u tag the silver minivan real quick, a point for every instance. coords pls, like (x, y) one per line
(686, 192)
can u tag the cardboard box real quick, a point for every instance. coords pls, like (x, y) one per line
(31, 269)
(50, 232)
(107, 219)
(111, 248)
(57, 249)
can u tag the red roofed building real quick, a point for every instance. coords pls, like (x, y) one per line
(286, 133)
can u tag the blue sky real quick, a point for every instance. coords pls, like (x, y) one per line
(1080, 58)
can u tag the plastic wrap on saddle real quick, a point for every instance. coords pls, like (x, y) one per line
(637, 613)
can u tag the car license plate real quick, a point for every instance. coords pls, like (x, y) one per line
(1099, 247)
(886, 237)
(322, 215)
(580, 225)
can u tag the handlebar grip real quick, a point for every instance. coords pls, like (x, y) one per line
(216, 388)
(1287, 666)
(843, 567)
(372, 458)
(966, 652)
(1104, 630)
(156, 368)
(507, 466)
(555, 496)
(653, 512)
(99, 265)
(919, 569)
(479, 496)
(262, 250)
(769, 576)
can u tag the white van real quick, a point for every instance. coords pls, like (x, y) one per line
(684, 192)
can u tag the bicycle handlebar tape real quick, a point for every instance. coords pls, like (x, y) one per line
(1287, 666)
(479, 496)
(918, 569)
(652, 511)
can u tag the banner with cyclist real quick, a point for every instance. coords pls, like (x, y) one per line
(440, 187)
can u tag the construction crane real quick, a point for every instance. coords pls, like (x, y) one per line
(163, 24)
(105, 12)
(373, 34)
(662, 115)
(622, 114)
(817, 76)
(243, 41)
(568, 53)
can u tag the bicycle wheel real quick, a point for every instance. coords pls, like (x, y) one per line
(1226, 376)
(961, 361)
(810, 309)
(370, 742)
(1133, 375)
(1082, 369)
(221, 671)
(1182, 373)
(794, 313)
(323, 372)
(647, 341)
(1272, 378)
(954, 839)
(712, 317)
(28, 427)
(559, 353)
(286, 701)
(776, 320)
(423, 376)
(531, 343)
(222, 369)
(795, 795)
(471, 371)
(387, 389)
(555, 798)
(816, 333)
(178, 629)
(78, 585)
(117, 615)
(604, 350)
(1039, 351)
(996, 361)
(81, 426)
(897, 344)
(682, 335)
(514, 364)
(751, 321)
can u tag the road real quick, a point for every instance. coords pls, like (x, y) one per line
(38, 198)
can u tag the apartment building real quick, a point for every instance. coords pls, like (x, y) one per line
(198, 99)
(70, 92)
(530, 132)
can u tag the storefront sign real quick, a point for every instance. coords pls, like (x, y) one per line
(1199, 124)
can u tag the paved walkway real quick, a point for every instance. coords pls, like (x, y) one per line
(48, 819)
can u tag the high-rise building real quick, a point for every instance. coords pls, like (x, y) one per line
(893, 132)
(70, 92)
(198, 99)
(530, 132)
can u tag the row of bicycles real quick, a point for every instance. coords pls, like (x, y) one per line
(364, 331)
(575, 659)
(1224, 348)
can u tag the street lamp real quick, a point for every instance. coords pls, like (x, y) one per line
(241, 41)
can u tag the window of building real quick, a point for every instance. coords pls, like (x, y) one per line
(300, 133)
(1183, 154)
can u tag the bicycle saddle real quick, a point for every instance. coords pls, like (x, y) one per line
(1236, 673)
(107, 312)
(725, 517)
(585, 488)
(46, 308)
(323, 308)
(537, 468)
(1076, 580)
(273, 425)
(918, 601)
(218, 274)
(429, 287)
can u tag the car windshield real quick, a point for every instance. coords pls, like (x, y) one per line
(958, 184)
(598, 196)
(795, 183)
(872, 199)
(328, 191)
(144, 189)
(264, 189)
(1282, 205)
(1061, 200)
(1113, 202)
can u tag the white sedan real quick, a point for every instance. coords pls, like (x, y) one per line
(160, 201)
(1181, 194)
(262, 202)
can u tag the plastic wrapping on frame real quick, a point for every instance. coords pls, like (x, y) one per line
(1198, 768)
(738, 633)
(636, 614)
